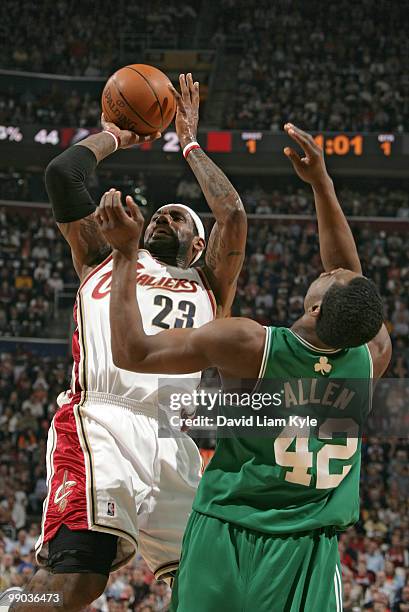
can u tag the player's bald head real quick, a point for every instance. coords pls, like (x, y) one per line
(346, 307)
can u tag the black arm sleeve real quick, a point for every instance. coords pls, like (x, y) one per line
(65, 178)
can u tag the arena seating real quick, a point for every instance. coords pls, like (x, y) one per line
(92, 43)
(35, 262)
(328, 72)
(328, 67)
(53, 106)
(262, 196)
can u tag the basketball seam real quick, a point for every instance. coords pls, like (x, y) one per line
(132, 109)
(153, 91)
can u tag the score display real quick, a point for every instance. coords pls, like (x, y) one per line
(336, 145)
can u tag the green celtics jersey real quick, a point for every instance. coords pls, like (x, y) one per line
(304, 475)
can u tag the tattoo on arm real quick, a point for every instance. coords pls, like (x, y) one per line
(216, 254)
(226, 245)
(88, 245)
(214, 183)
(212, 251)
(224, 200)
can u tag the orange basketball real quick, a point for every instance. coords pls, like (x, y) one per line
(137, 98)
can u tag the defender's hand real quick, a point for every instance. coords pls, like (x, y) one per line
(126, 137)
(310, 168)
(122, 231)
(187, 114)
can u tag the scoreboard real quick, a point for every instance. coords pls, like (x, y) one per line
(348, 151)
(334, 143)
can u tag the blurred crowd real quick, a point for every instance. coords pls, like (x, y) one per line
(375, 553)
(325, 65)
(29, 186)
(34, 264)
(370, 198)
(53, 106)
(86, 39)
(294, 198)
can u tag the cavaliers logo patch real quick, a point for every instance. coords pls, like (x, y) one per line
(63, 492)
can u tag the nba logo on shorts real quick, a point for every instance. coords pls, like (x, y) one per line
(111, 508)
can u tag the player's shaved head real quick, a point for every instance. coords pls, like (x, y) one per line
(350, 314)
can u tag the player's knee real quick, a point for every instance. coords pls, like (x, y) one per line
(80, 563)
(80, 590)
(68, 592)
(39, 583)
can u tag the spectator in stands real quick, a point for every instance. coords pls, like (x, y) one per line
(374, 559)
(402, 601)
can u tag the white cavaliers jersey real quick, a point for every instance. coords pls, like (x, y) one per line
(168, 297)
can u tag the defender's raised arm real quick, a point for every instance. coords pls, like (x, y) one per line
(337, 244)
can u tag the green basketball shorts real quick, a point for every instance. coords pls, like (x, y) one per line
(227, 568)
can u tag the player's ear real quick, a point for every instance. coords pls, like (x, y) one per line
(198, 243)
(315, 309)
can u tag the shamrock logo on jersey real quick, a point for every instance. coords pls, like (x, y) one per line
(323, 366)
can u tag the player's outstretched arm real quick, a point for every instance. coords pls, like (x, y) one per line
(235, 346)
(73, 207)
(337, 244)
(227, 242)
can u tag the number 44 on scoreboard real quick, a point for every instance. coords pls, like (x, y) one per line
(47, 137)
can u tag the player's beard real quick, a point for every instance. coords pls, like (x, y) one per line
(171, 249)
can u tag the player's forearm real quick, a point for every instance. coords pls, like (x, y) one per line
(127, 334)
(337, 244)
(221, 196)
(227, 242)
(101, 145)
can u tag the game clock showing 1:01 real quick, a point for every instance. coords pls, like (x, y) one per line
(340, 144)
(347, 144)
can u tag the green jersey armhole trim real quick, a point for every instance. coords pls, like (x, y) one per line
(370, 362)
(316, 349)
(264, 361)
(371, 380)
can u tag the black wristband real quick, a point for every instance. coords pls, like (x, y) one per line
(65, 178)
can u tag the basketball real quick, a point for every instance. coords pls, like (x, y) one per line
(137, 98)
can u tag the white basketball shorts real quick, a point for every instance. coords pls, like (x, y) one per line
(108, 471)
